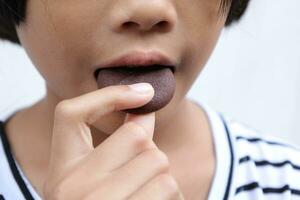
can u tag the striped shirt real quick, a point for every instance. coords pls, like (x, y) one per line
(248, 165)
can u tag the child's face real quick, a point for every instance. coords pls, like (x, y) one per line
(67, 39)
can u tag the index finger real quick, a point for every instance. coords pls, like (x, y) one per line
(71, 136)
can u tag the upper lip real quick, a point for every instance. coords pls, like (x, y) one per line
(139, 59)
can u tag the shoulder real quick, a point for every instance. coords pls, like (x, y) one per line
(264, 165)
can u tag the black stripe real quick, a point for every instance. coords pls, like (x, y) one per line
(12, 164)
(255, 140)
(229, 180)
(281, 190)
(248, 187)
(2, 197)
(266, 162)
(267, 190)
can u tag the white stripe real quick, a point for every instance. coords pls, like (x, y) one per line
(263, 151)
(257, 194)
(247, 132)
(268, 176)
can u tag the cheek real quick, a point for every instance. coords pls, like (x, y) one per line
(60, 59)
(73, 24)
(202, 26)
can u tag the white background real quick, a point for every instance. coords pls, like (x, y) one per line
(252, 76)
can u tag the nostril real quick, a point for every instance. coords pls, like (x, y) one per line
(143, 16)
(129, 25)
(162, 24)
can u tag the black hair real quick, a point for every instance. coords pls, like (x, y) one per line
(13, 12)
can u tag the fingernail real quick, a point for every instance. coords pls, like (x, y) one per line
(141, 87)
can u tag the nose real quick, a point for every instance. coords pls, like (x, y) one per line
(144, 15)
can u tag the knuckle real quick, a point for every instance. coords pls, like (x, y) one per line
(139, 137)
(64, 109)
(159, 159)
(168, 184)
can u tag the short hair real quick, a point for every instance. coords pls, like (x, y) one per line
(13, 12)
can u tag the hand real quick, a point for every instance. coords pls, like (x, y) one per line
(127, 165)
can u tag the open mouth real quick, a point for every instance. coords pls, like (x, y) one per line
(135, 69)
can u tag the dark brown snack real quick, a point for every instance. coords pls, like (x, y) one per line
(161, 78)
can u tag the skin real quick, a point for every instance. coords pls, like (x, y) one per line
(61, 140)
